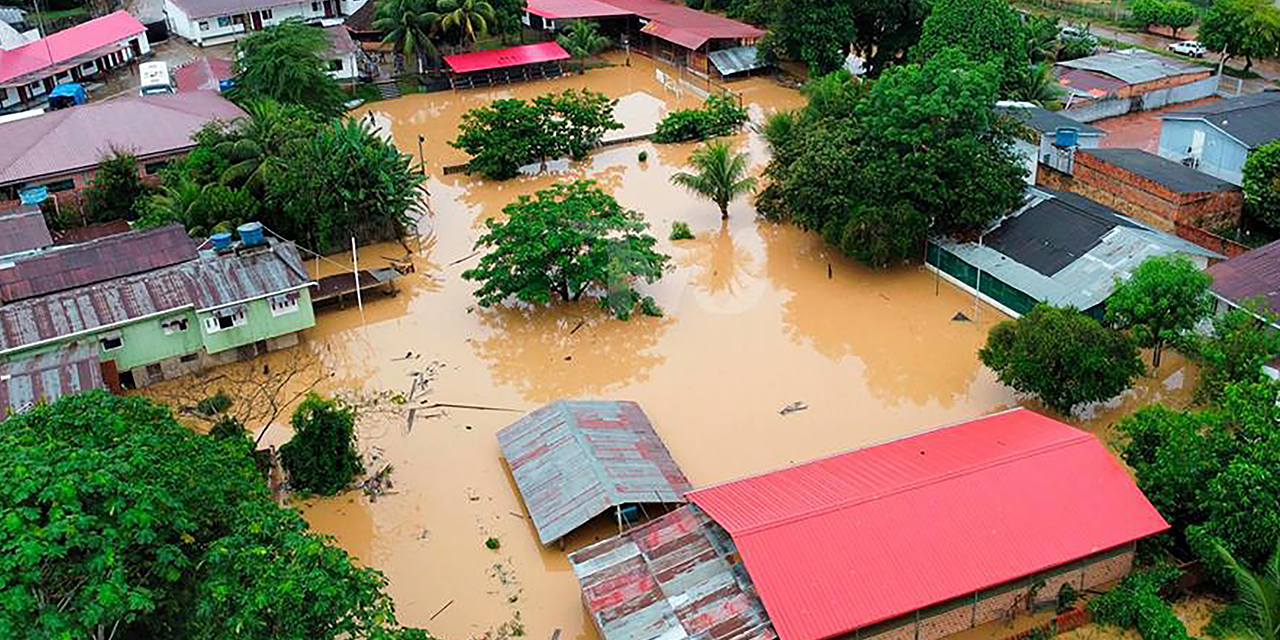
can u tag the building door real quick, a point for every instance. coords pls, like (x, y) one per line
(329, 11)
(256, 17)
(135, 48)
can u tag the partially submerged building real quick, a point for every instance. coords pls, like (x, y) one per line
(914, 539)
(501, 66)
(1218, 138)
(1060, 248)
(1115, 83)
(211, 22)
(86, 51)
(153, 306)
(575, 460)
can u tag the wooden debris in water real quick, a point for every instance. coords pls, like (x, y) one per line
(793, 407)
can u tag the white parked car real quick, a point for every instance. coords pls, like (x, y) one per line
(1188, 48)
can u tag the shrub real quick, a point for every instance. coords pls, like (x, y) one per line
(1136, 604)
(321, 457)
(644, 156)
(492, 543)
(115, 189)
(680, 230)
(719, 116)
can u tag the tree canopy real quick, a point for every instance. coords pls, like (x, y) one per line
(983, 30)
(1248, 28)
(115, 189)
(719, 175)
(720, 115)
(1241, 343)
(1175, 14)
(321, 456)
(285, 62)
(566, 241)
(1261, 182)
(1063, 356)
(119, 522)
(1163, 299)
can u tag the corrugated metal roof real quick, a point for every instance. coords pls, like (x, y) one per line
(1044, 120)
(1064, 249)
(1255, 274)
(67, 44)
(509, 57)
(23, 229)
(736, 60)
(573, 460)
(1253, 120)
(679, 16)
(71, 266)
(687, 38)
(1133, 66)
(47, 377)
(568, 9)
(203, 74)
(865, 536)
(75, 139)
(672, 578)
(208, 282)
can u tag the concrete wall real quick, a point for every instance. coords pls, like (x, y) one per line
(993, 604)
(220, 29)
(1219, 154)
(1141, 198)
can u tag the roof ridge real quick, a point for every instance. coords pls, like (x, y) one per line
(1077, 439)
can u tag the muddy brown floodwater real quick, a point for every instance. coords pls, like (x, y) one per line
(758, 316)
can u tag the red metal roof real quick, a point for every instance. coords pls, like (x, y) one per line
(67, 44)
(574, 460)
(568, 9)
(509, 57)
(684, 20)
(23, 229)
(202, 74)
(865, 536)
(1255, 274)
(674, 577)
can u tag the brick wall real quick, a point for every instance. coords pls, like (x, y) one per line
(1162, 83)
(1227, 247)
(1144, 199)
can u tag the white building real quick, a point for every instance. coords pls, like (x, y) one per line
(343, 55)
(30, 70)
(208, 22)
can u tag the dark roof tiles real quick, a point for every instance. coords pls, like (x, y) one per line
(1176, 176)
(1255, 274)
(1253, 120)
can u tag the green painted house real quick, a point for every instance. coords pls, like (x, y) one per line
(153, 305)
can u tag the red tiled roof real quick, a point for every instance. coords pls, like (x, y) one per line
(509, 57)
(1255, 274)
(202, 74)
(865, 536)
(23, 229)
(67, 44)
(112, 257)
(75, 139)
(569, 9)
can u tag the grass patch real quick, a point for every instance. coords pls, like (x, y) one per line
(680, 230)
(49, 17)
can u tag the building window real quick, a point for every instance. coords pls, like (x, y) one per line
(225, 319)
(204, 24)
(266, 14)
(153, 168)
(111, 341)
(224, 22)
(315, 6)
(284, 304)
(335, 65)
(61, 185)
(176, 325)
(190, 357)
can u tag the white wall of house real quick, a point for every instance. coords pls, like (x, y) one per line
(344, 68)
(225, 28)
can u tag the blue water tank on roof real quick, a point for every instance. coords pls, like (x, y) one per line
(1066, 137)
(250, 234)
(220, 241)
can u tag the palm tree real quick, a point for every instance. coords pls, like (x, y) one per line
(471, 17)
(582, 40)
(1038, 85)
(258, 144)
(721, 175)
(1259, 593)
(410, 25)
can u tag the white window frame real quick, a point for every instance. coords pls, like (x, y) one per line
(173, 325)
(213, 324)
(228, 20)
(118, 337)
(204, 25)
(283, 304)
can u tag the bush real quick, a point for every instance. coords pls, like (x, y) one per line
(492, 543)
(1136, 604)
(1236, 350)
(1261, 182)
(680, 230)
(321, 457)
(115, 189)
(719, 116)
(644, 156)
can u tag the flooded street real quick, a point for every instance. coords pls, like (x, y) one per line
(757, 316)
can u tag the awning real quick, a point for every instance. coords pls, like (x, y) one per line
(502, 58)
(736, 60)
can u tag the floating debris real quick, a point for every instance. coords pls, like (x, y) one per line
(960, 317)
(793, 407)
(378, 484)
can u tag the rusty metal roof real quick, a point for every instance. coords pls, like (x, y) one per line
(573, 460)
(1255, 274)
(205, 283)
(99, 260)
(23, 229)
(672, 578)
(47, 377)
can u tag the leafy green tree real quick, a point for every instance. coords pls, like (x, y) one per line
(720, 175)
(983, 30)
(1261, 182)
(510, 133)
(321, 456)
(1259, 593)
(1241, 343)
(567, 240)
(887, 30)
(1178, 15)
(1163, 299)
(1147, 12)
(582, 40)
(1063, 356)
(410, 26)
(576, 120)
(1249, 28)
(818, 33)
(1042, 37)
(508, 17)
(470, 18)
(257, 147)
(285, 62)
(1136, 604)
(116, 187)
(115, 522)
(719, 116)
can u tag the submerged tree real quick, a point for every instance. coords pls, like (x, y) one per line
(566, 241)
(321, 457)
(285, 62)
(1242, 341)
(582, 40)
(1163, 299)
(1063, 356)
(719, 175)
